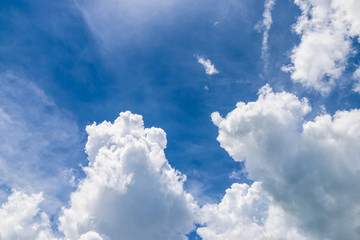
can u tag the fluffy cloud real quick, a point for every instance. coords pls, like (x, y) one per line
(327, 29)
(209, 67)
(246, 213)
(309, 169)
(308, 173)
(20, 218)
(130, 189)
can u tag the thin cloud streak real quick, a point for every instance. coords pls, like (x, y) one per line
(265, 26)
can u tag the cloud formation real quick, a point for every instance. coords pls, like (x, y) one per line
(246, 212)
(308, 168)
(129, 185)
(209, 67)
(20, 218)
(327, 29)
(304, 176)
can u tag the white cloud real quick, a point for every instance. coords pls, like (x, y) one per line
(246, 213)
(309, 169)
(209, 67)
(130, 190)
(326, 29)
(357, 78)
(20, 218)
(265, 27)
(91, 236)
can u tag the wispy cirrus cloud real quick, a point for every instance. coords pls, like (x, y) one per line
(109, 20)
(264, 26)
(39, 141)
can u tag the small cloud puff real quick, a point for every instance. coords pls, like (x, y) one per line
(209, 67)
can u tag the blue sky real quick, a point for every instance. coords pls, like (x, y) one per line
(67, 64)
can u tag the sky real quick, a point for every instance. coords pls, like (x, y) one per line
(133, 119)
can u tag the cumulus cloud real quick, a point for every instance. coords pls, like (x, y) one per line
(326, 29)
(130, 190)
(246, 212)
(309, 169)
(209, 67)
(305, 180)
(265, 26)
(20, 218)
